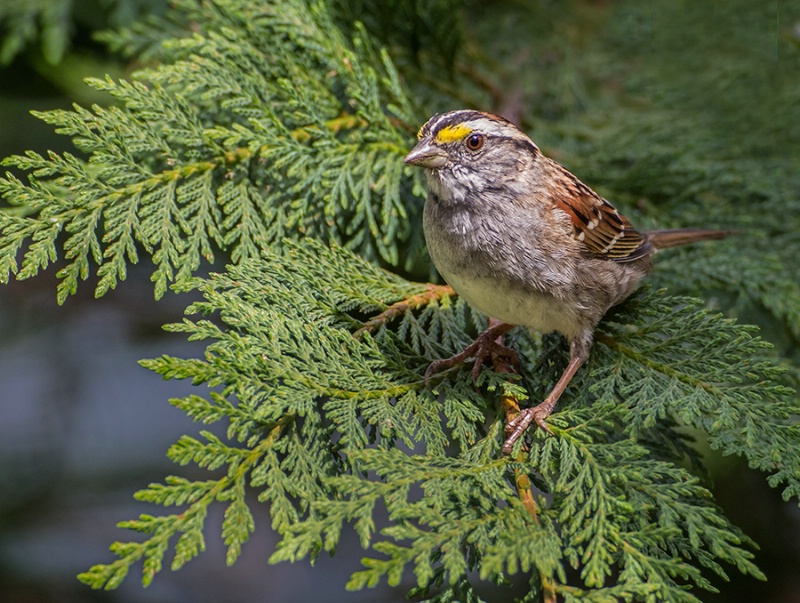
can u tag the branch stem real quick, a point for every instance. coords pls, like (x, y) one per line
(432, 293)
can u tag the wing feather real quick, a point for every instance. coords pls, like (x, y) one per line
(598, 225)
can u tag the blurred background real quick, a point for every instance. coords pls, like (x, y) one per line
(83, 426)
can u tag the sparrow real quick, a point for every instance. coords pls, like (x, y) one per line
(524, 241)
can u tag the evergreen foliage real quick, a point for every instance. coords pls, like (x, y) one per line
(52, 22)
(19, 23)
(192, 161)
(274, 133)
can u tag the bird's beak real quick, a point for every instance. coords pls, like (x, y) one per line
(426, 155)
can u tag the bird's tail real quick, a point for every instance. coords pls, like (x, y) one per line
(661, 239)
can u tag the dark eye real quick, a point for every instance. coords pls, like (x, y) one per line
(475, 141)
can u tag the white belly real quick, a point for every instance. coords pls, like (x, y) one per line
(537, 311)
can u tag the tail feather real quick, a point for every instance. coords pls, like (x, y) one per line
(661, 239)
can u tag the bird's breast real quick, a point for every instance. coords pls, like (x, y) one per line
(504, 301)
(497, 267)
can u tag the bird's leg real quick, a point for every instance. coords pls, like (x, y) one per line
(579, 352)
(485, 344)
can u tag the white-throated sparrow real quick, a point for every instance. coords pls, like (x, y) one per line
(524, 241)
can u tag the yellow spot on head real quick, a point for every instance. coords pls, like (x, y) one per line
(452, 133)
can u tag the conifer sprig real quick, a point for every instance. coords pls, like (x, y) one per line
(22, 23)
(219, 149)
(315, 416)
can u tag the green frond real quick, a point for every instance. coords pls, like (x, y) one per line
(710, 373)
(21, 23)
(219, 150)
(316, 415)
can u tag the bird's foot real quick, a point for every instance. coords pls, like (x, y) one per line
(517, 426)
(483, 347)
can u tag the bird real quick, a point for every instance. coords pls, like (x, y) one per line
(524, 241)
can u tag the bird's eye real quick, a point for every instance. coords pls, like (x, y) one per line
(475, 141)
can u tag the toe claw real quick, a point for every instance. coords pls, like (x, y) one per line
(517, 426)
(432, 369)
(539, 419)
(480, 349)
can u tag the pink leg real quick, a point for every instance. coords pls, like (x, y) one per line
(538, 413)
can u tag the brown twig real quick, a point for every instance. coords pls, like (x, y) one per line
(432, 292)
(510, 405)
(549, 593)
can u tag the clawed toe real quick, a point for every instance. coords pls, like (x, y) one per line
(485, 346)
(488, 348)
(488, 344)
(517, 426)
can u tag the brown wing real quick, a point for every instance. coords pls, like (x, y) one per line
(598, 225)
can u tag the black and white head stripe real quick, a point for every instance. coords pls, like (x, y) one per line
(449, 127)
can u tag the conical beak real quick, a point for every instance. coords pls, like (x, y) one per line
(426, 155)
